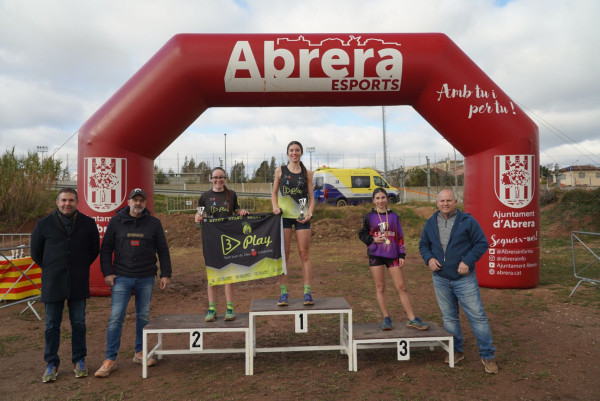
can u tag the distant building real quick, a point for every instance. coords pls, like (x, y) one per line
(446, 167)
(577, 176)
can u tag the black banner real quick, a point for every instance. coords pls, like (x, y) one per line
(243, 248)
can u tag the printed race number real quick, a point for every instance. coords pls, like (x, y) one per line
(403, 350)
(196, 341)
(301, 323)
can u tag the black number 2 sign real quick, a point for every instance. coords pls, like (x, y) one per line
(195, 341)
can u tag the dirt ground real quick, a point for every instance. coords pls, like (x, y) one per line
(547, 348)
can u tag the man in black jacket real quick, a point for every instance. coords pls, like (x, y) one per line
(65, 244)
(132, 240)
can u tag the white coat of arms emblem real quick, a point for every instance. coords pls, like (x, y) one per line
(514, 179)
(105, 182)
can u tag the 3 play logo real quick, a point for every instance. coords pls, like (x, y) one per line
(228, 244)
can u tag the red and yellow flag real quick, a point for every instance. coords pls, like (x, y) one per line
(23, 288)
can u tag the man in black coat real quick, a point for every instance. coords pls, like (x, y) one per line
(65, 244)
(133, 240)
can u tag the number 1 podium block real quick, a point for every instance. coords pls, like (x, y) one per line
(296, 307)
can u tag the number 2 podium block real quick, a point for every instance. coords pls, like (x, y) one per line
(196, 327)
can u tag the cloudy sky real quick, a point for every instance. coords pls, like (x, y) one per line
(60, 60)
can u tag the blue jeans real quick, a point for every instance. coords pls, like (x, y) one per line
(121, 293)
(465, 290)
(54, 314)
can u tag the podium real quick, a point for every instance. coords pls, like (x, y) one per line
(401, 337)
(301, 313)
(196, 327)
(352, 337)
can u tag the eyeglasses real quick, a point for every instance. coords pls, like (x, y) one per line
(218, 178)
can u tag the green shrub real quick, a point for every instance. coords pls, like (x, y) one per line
(578, 209)
(159, 176)
(579, 197)
(25, 186)
(549, 196)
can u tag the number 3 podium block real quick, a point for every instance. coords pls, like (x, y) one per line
(197, 328)
(370, 335)
(296, 307)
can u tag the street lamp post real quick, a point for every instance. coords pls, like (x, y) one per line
(573, 179)
(384, 144)
(42, 150)
(310, 151)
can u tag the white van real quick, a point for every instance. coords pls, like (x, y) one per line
(349, 186)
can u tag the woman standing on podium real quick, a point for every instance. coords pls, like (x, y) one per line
(293, 197)
(382, 233)
(219, 201)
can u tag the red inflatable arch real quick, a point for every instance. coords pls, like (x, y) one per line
(192, 72)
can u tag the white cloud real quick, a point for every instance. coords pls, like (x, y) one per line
(36, 102)
(61, 60)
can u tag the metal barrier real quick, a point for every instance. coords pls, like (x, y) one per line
(585, 248)
(187, 203)
(17, 244)
(181, 203)
(13, 249)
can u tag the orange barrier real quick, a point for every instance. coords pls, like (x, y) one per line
(19, 278)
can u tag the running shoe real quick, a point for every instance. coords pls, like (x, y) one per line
(229, 315)
(417, 324)
(50, 373)
(107, 367)
(283, 300)
(458, 356)
(211, 315)
(308, 299)
(387, 323)
(490, 366)
(80, 369)
(138, 357)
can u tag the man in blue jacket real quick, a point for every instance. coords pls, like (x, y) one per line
(132, 240)
(64, 245)
(451, 243)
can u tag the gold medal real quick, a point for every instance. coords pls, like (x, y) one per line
(387, 241)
